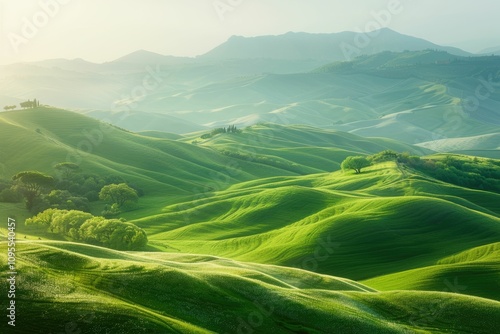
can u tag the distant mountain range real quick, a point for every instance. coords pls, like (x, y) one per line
(292, 46)
(494, 50)
(327, 47)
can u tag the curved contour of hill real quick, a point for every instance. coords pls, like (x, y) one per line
(91, 289)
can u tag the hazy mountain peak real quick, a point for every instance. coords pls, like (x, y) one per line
(143, 57)
(324, 46)
(139, 56)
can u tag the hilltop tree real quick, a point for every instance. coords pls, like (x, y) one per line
(9, 107)
(32, 184)
(387, 155)
(355, 163)
(66, 168)
(119, 194)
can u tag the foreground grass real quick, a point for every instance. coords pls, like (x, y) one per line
(96, 290)
(475, 272)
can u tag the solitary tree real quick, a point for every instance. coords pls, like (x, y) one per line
(355, 163)
(32, 184)
(66, 168)
(118, 194)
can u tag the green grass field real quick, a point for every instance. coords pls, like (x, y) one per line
(91, 289)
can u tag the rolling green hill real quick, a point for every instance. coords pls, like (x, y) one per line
(142, 121)
(36, 139)
(475, 271)
(298, 148)
(484, 145)
(385, 221)
(166, 167)
(90, 289)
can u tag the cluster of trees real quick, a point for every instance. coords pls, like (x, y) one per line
(469, 172)
(30, 104)
(25, 105)
(387, 155)
(229, 129)
(84, 227)
(70, 190)
(8, 193)
(475, 173)
(84, 184)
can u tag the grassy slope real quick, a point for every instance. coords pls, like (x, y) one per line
(436, 109)
(384, 221)
(475, 271)
(156, 163)
(30, 136)
(96, 290)
(484, 145)
(166, 169)
(303, 148)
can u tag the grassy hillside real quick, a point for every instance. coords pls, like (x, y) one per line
(37, 139)
(169, 167)
(475, 271)
(426, 64)
(141, 121)
(381, 222)
(298, 148)
(91, 289)
(488, 143)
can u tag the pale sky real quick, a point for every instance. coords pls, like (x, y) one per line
(103, 30)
